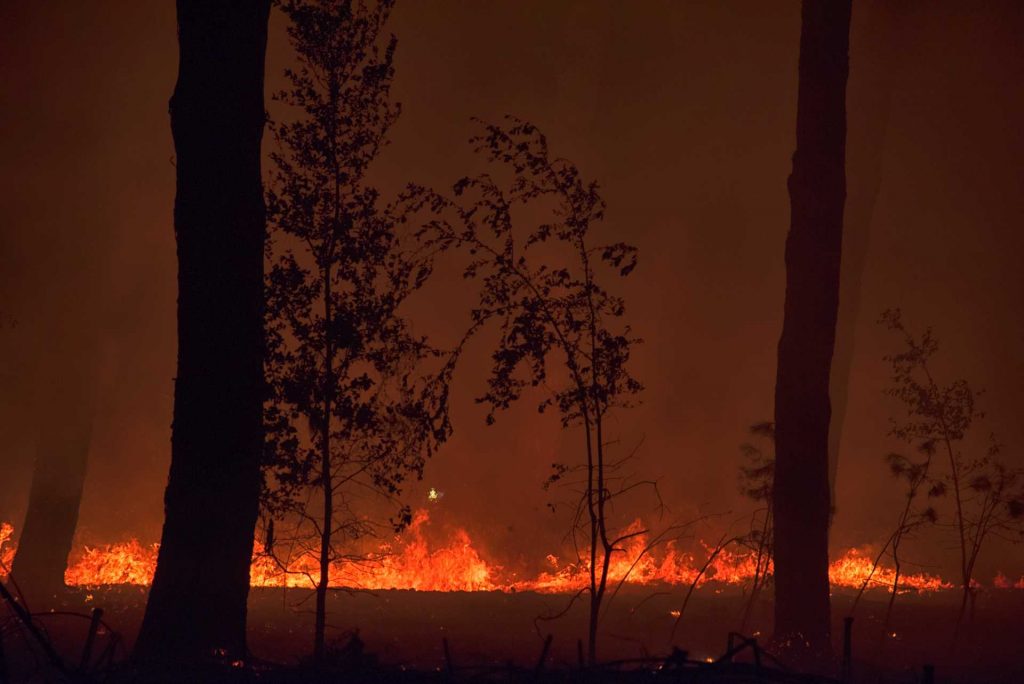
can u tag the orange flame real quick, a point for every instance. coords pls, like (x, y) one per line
(1001, 581)
(853, 568)
(125, 563)
(455, 566)
(412, 562)
(6, 547)
(636, 563)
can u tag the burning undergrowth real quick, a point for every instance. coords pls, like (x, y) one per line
(421, 559)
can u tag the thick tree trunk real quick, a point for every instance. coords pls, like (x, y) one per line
(197, 605)
(817, 188)
(67, 410)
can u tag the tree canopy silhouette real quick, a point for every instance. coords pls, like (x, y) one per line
(987, 494)
(352, 409)
(561, 328)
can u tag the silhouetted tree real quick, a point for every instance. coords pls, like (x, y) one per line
(352, 412)
(915, 475)
(67, 388)
(817, 188)
(987, 495)
(543, 286)
(197, 604)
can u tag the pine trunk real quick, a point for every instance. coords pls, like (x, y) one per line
(817, 189)
(197, 605)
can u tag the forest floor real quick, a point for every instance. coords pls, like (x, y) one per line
(409, 636)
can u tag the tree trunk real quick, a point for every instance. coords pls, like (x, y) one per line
(197, 605)
(327, 485)
(817, 188)
(67, 410)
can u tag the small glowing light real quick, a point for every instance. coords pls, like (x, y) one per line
(709, 659)
(434, 495)
(674, 613)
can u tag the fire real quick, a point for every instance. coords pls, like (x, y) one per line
(409, 563)
(854, 567)
(1001, 581)
(6, 547)
(125, 563)
(413, 562)
(638, 563)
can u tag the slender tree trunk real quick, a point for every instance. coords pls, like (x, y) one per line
(67, 410)
(595, 615)
(197, 605)
(320, 631)
(895, 589)
(595, 594)
(965, 582)
(970, 593)
(867, 580)
(760, 570)
(802, 410)
(326, 482)
(602, 525)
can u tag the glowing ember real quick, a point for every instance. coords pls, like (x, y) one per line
(412, 562)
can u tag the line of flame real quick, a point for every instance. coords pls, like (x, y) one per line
(412, 563)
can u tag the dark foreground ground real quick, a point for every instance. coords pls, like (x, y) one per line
(404, 636)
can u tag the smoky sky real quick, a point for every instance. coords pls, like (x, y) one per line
(683, 111)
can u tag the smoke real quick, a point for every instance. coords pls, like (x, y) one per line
(685, 114)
